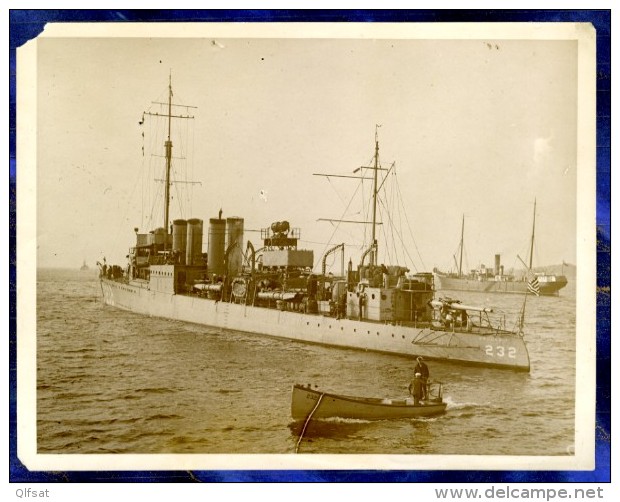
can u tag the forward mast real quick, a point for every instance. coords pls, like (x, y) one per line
(168, 152)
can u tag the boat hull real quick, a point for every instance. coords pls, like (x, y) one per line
(502, 350)
(547, 286)
(307, 403)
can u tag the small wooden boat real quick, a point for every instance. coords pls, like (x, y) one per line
(308, 403)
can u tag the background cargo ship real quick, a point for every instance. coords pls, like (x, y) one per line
(494, 280)
(273, 291)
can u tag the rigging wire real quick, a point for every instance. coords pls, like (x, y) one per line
(389, 203)
(131, 195)
(400, 239)
(329, 241)
(334, 189)
(395, 235)
(387, 217)
(148, 167)
(157, 136)
(394, 232)
(366, 215)
(466, 255)
(322, 243)
(191, 168)
(400, 197)
(396, 211)
(388, 230)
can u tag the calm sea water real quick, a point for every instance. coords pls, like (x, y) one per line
(110, 381)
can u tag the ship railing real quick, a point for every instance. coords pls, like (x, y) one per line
(434, 390)
(453, 315)
(157, 260)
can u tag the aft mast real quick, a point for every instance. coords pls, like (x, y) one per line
(532, 241)
(375, 251)
(535, 290)
(461, 251)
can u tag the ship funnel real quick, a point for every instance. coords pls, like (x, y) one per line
(193, 253)
(234, 235)
(179, 239)
(217, 239)
(159, 237)
(497, 265)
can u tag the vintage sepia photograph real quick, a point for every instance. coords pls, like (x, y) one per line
(319, 246)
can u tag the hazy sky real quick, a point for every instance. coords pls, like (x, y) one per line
(475, 127)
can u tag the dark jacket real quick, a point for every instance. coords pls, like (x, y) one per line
(422, 369)
(415, 387)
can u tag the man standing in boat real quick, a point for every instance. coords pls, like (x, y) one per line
(416, 389)
(422, 369)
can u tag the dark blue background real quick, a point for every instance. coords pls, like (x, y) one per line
(27, 24)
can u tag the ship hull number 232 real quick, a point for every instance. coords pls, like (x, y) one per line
(500, 351)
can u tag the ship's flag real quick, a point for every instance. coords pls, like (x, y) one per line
(533, 286)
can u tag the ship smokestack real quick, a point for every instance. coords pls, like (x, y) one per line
(217, 239)
(193, 254)
(234, 235)
(497, 265)
(159, 237)
(179, 239)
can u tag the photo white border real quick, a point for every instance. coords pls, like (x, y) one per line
(583, 458)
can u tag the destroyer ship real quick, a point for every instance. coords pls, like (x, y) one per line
(272, 290)
(493, 280)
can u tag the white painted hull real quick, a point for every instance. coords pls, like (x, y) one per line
(499, 350)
